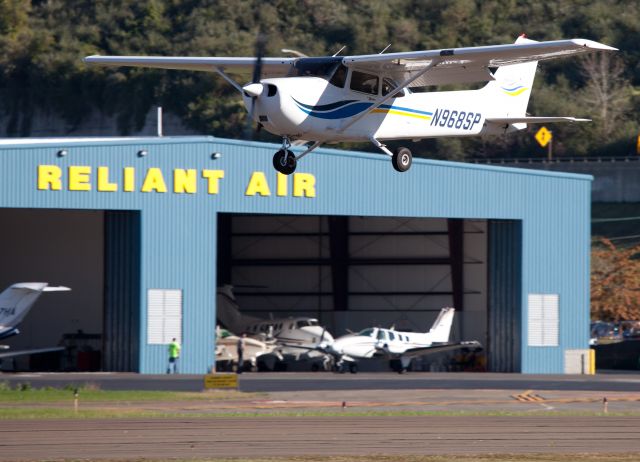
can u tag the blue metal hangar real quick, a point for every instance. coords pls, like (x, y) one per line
(145, 229)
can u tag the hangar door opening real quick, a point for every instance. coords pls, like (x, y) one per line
(353, 272)
(96, 254)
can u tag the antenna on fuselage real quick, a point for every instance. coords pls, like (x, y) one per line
(385, 49)
(340, 50)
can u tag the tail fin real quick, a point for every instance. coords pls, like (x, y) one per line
(17, 300)
(510, 91)
(441, 328)
(228, 311)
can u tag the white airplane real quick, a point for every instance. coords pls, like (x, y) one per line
(227, 348)
(369, 98)
(395, 345)
(299, 337)
(15, 303)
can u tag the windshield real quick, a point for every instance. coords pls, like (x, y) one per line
(366, 333)
(306, 322)
(317, 67)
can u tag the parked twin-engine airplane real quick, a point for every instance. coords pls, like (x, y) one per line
(395, 345)
(15, 303)
(369, 98)
(298, 337)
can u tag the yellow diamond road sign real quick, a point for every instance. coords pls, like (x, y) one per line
(543, 136)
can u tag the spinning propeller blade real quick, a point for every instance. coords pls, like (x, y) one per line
(255, 87)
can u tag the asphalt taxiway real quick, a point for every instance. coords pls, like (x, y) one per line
(300, 381)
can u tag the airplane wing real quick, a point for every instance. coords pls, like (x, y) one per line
(439, 348)
(11, 354)
(466, 65)
(271, 67)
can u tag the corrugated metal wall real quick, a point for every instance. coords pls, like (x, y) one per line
(505, 300)
(178, 230)
(121, 350)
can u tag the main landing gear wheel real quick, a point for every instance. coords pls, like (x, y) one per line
(402, 159)
(286, 167)
(353, 368)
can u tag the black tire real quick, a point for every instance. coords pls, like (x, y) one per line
(279, 163)
(315, 367)
(353, 368)
(402, 159)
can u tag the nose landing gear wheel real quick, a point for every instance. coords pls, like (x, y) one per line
(402, 159)
(286, 167)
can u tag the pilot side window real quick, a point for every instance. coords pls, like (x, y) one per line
(381, 335)
(388, 86)
(391, 336)
(365, 83)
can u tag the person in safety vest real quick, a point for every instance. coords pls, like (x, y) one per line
(174, 354)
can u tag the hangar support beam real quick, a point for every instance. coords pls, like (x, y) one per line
(456, 255)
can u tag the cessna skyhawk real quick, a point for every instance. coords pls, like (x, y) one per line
(368, 97)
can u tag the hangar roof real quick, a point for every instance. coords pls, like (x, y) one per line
(85, 141)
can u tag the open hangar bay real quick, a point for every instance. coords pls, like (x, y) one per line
(145, 229)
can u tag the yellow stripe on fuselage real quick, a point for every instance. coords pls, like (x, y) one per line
(400, 113)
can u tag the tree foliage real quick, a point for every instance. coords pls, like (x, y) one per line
(42, 44)
(615, 282)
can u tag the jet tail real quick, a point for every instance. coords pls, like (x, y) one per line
(17, 300)
(441, 328)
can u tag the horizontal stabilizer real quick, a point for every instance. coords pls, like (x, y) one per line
(440, 348)
(532, 120)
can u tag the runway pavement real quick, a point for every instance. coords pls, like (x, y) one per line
(300, 381)
(323, 436)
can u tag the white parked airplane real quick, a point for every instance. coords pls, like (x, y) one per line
(227, 349)
(15, 303)
(368, 97)
(395, 345)
(295, 336)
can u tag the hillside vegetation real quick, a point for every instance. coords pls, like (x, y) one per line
(42, 44)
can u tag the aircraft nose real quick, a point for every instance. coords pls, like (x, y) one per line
(253, 89)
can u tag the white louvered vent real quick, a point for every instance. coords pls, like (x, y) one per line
(543, 320)
(164, 316)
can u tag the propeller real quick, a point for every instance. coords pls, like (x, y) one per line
(255, 88)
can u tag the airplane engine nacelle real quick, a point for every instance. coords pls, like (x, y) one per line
(285, 106)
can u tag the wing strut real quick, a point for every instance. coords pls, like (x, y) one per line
(391, 94)
(229, 80)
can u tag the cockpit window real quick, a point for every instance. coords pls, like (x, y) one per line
(391, 336)
(306, 322)
(366, 83)
(382, 335)
(316, 67)
(339, 76)
(388, 86)
(366, 333)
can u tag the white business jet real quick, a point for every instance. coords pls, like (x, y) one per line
(368, 97)
(395, 345)
(15, 303)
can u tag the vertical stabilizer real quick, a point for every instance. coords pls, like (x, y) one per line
(510, 91)
(228, 312)
(441, 328)
(17, 300)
